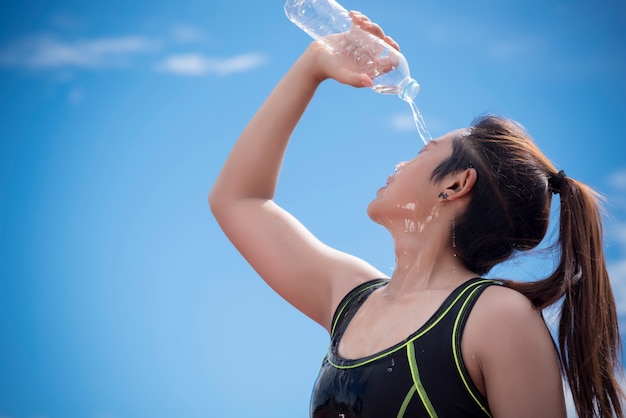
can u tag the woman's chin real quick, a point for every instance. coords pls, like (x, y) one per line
(373, 210)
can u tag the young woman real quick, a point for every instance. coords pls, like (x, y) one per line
(435, 339)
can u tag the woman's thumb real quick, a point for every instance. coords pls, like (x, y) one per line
(354, 79)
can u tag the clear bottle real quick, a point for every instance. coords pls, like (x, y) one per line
(329, 23)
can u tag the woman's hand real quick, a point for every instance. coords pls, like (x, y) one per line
(354, 57)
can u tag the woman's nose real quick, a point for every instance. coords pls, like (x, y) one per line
(400, 165)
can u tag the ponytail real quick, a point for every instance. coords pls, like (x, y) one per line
(589, 321)
(588, 334)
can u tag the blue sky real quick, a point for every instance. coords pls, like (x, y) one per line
(119, 295)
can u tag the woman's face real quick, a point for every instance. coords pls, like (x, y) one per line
(410, 197)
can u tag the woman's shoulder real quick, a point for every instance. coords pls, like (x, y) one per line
(502, 315)
(503, 300)
(511, 350)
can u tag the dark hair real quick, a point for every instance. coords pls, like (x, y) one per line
(509, 211)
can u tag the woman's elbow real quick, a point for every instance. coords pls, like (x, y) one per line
(217, 201)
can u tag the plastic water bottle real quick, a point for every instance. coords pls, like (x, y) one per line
(329, 23)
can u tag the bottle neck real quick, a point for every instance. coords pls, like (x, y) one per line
(408, 89)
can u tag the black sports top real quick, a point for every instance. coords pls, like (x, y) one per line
(422, 376)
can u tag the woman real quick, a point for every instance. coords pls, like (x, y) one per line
(434, 339)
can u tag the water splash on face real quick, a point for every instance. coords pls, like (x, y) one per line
(409, 225)
(434, 213)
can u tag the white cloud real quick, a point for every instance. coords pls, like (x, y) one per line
(618, 179)
(186, 34)
(48, 52)
(189, 64)
(75, 96)
(497, 43)
(516, 49)
(196, 64)
(54, 52)
(403, 121)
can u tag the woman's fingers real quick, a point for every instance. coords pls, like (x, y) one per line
(366, 24)
(392, 42)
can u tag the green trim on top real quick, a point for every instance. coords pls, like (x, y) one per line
(424, 331)
(417, 382)
(456, 350)
(405, 403)
(346, 302)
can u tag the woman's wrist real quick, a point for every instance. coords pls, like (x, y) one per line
(310, 63)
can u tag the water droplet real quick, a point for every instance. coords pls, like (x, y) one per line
(393, 363)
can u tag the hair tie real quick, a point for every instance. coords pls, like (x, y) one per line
(555, 182)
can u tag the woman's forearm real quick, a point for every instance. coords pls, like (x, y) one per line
(251, 170)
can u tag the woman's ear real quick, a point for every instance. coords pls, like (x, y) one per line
(461, 183)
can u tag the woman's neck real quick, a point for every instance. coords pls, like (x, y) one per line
(426, 261)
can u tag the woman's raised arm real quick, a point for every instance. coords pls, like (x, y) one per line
(310, 275)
